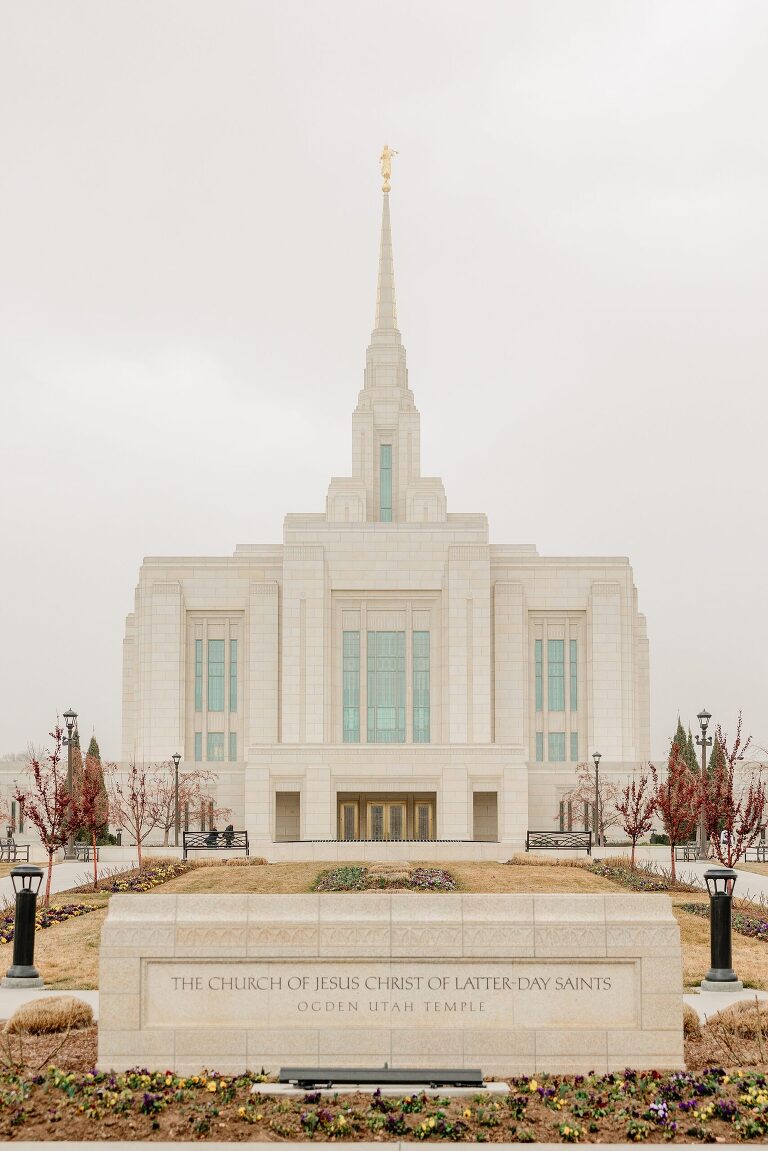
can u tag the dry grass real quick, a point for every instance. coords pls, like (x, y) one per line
(758, 868)
(735, 1037)
(50, 1016)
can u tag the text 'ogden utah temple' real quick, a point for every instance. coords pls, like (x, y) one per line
(385, 673)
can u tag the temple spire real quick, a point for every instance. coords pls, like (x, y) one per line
(386, 308)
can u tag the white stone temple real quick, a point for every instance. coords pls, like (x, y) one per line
(387, 673)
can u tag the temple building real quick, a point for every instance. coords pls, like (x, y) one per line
(387, 673)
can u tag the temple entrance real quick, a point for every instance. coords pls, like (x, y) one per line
(391, 818)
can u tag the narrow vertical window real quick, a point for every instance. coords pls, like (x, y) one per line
(215, 748)
(386, 687)
(233, 747)
(574, 747)
(555, 675)
(198, 747)
(351, 686)
(421, 687)
(539, 746)
(233, 675)
(385, 483)
(215, 674)
(21, 816)
(538, 675)
(198, 675)
(574, 678)
(556, 748)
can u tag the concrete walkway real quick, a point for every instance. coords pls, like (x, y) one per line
(64, 876)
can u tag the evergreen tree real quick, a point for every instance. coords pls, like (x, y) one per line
(691, 756)
(94, 754)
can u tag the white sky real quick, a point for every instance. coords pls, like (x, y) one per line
(189, 215)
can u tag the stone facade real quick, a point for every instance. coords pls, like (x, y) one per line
(386, 671)
(509, 983)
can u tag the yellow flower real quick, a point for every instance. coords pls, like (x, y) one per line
(533, 1085)
(241, 1111)
(432, 1122)
(467, 1114)
(212, 1085)
(168, 1081)
(259, 1118)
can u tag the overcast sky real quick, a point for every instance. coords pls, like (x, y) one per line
(189, 215)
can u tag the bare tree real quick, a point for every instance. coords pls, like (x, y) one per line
(193, 792)
(130, 800)
(584, 793)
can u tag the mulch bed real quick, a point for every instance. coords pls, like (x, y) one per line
(70, 1101)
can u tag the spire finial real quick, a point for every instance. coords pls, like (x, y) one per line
(385, 159)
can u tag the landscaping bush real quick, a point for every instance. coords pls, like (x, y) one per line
(50, 1015)
(366, 879)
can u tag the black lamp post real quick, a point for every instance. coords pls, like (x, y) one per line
(596, 816)
(720, 883)
(22, 973)
(703, 741)
(70, 718)
(176, 761)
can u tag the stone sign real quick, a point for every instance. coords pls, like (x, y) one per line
(511, 983)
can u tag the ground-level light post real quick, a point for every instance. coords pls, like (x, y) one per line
(596, 817)
(704, 741)
(720, 883)
(70, 718)
(176, 761)
(22, 973)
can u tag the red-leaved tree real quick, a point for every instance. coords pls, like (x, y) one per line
(636, 808)
(733, 806)
(131, 803)
(91, 810)
(47, 803)
(677, 799)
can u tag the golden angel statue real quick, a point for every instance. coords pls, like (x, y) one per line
(385, 159)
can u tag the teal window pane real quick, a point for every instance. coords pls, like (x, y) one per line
(538, 675)
(574, 747)
(539, 746)
(386, 687)
(556, 747)
(574, 677)
(233, 747)
(215, 748)
(555, 675)
(198, 675)
(233, 675)
(351, 686)
(385, 482)
(421, 687)
(216, 675)
(198, 747)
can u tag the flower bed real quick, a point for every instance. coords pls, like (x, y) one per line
(363, 879)
(154, 873)
(638, 1107)
(641, 878)
(745, 922)
(46, 917)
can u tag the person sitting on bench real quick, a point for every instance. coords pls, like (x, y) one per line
(229, 835)
(212, 838)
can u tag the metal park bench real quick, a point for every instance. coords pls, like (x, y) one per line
(687, 852)
(83, 852)
(756, 854)
(215, 841)
(13, 852)
(559, 841)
